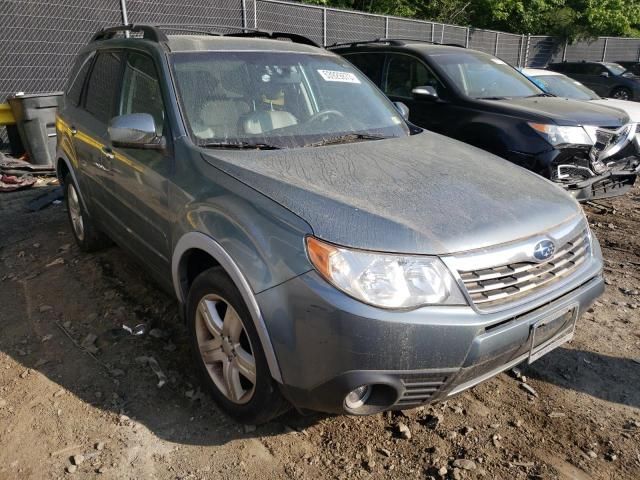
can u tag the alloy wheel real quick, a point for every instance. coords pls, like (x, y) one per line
(621, 95)
(75, 212)
(225, 349)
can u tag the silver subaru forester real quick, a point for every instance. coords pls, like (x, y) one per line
(326, 253)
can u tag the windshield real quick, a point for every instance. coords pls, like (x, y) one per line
(615, 68)
(564, 87)
(481, 76)
(280, 100)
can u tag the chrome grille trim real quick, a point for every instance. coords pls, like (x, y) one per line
(494, 279)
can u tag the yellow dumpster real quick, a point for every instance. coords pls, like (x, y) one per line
(6, 115)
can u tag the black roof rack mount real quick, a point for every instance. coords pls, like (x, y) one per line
(393, 41)
(155, 33)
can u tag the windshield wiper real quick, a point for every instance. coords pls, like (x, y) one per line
(240, 145)
(350, 137)
(543, 94)
(492, 98)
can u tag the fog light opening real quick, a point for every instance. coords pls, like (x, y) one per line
(357, 397)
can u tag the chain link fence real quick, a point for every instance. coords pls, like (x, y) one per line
(38, 39)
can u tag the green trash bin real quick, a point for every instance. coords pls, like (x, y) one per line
(35, 116)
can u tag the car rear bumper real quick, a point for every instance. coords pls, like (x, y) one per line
(328, 344)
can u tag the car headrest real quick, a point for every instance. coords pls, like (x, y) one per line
(257, 123)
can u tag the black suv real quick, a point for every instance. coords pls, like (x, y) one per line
(606, 79)
(479, 99)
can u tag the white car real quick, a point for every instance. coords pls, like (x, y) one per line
(562, 86)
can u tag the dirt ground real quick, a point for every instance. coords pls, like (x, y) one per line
(75, 387)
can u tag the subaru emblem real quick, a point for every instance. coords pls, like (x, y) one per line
(544, 250)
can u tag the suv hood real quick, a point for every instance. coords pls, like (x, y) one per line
(563, 111)
(630, 108)
(424, 194)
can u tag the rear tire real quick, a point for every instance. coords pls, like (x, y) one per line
(227, 351)
(88, 237)
(621, 93)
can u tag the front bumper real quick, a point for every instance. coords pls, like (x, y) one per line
(328, 344)
(607, 185)
(616, 181)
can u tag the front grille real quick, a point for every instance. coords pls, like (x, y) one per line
(496, 286)
(609, 142)
(420, 388)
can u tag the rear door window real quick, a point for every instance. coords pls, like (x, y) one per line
(370, 64)
(103, 86)
(582, 69)
(571, 68)
(78, 77)
(594, 69)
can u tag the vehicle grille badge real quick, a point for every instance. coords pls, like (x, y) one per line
(544, 250)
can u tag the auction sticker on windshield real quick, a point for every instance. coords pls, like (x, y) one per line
(337, 76)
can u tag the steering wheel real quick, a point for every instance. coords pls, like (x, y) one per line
(325, 114)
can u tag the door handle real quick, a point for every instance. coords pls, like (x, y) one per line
(107, 152)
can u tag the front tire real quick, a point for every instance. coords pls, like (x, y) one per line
(227, 351)
(621, 93)
(88, 237)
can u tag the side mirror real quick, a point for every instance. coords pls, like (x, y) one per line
(605, 74)
(136, 130)
(425, 93)
(402, 109)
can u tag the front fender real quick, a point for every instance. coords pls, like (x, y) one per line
(200, 241)
(262, 237)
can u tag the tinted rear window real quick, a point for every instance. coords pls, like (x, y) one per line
(368, 63)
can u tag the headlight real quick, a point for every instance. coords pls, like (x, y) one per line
(385, 280)
(562, 136)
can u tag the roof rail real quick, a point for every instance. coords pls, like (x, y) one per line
(155, 32)
(149, 32)
(365, 42)
(393, 41)
(294, 37)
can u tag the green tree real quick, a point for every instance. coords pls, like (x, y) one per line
(571, 19)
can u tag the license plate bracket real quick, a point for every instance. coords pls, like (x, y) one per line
(552, 331)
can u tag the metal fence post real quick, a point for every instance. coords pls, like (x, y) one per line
(526, 51)
(433, 32)
(495, 47)
(324, 26)
(123, 9)
(466, 40)
(604, 49)
(520, 54)
(386, 27)
(244, 15)
(564, 52)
